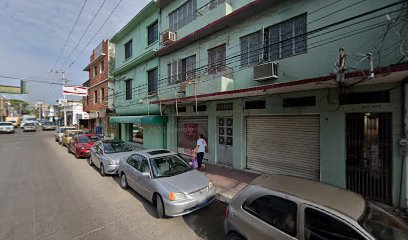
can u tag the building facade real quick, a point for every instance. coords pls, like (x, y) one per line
(290, 87)
(99, 102)
(136, 74)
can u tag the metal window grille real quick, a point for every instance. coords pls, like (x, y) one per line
(152, 33)
(286, 38)
(183, 15)
(250, 52)
(216, 59)
(258, 104)
(224, 106)
(299, 102)
(152, 81)
(128, 89)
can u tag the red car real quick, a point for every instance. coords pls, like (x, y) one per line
(80, 144)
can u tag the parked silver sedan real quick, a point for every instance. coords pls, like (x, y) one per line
(166, 180)
(289, 208)
(106, 154)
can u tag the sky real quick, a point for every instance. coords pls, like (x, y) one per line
(32, 35)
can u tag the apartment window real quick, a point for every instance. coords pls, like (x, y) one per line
(128, 89)
(87, 99)
(102, 95)
(286, 39)
(128, 49)
(95, 71)
(102, 67)
(183, 15)
(216, 59)
(96, 96)
(250, 49)
(152, 33)
(188, 66)
(152, 81)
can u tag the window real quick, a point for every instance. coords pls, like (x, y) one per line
(299, 102)
(102, 66)
(95, 71)
(87, 99)
(102, 95)
(152, 33)
(128, 89)
(95, 96)
(133, 161)
(258, 104)
(152, 81)
(320, 226)
(216, 59)
(250, 49)
(364, 97)
(224, 106)
(200, 108)
(128, 49)
(276, 211)
(183, 15)
(182, 70)
(181, 109)
(143, 166)
(286, 39)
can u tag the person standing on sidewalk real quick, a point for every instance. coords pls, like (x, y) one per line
(200, 149)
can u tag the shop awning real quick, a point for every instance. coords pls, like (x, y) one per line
(139, 119)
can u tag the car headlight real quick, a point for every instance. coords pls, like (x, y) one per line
(112, 162)
(210, 184)
(175, 196)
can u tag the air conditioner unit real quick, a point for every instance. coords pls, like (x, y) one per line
(168, 37)
(266, 71)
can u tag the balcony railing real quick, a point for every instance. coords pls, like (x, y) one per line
(210, 6)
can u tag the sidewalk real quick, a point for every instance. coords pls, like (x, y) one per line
(227, 180)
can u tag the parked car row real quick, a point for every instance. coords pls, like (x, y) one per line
(161, 176)
(271, 207)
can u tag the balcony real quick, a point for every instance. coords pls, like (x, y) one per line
(212, 83)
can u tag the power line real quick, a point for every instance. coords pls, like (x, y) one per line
(83, 34)
(29, 79)
(93, 37)
(70, 33)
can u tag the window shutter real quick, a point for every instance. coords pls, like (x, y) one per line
(179, 71)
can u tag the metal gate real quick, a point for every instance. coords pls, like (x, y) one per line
(224, 146)
(369, 146)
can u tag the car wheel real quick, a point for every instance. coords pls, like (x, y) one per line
(235, 236)
(123, 181)
(159, 207)
(59, 142)
(76, 154)
(102, 171)
(90, 161)
(56, 140)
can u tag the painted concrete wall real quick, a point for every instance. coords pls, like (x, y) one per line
(154, 136)
(332, 128)
(319, 59)
(138, 105)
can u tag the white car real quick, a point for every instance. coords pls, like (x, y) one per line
(30, 126)
(6, 127)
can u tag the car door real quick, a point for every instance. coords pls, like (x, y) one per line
(267, 216)
(131, 172)
(320, 224)
(96, 153)
(72, 144)
(145, 182)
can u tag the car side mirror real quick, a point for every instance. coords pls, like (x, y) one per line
(146, 174)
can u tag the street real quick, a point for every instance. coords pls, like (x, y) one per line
(45, 193)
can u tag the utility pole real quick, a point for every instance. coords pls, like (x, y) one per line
(64, 82)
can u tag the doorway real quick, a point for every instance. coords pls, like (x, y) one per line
(225, 141)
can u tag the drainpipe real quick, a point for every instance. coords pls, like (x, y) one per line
(404, 130)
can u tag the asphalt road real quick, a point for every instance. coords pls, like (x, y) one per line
(45, 193)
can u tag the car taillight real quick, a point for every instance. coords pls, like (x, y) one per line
(227, 214)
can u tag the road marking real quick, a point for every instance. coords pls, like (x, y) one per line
(90, 232)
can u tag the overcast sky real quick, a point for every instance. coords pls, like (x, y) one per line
(32, 34)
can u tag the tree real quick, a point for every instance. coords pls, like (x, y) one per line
(15, 103)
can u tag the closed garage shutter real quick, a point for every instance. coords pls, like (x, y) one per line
(287, 145)
(188, 130)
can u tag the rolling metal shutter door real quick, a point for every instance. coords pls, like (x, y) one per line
(284, 145)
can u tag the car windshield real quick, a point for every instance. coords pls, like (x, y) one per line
(12, 121)
(6, 124)
(71, 134)
(85, 139)
(115, 147)
(382, 224)
(169, 166)
(30, 124)
(62, 130)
